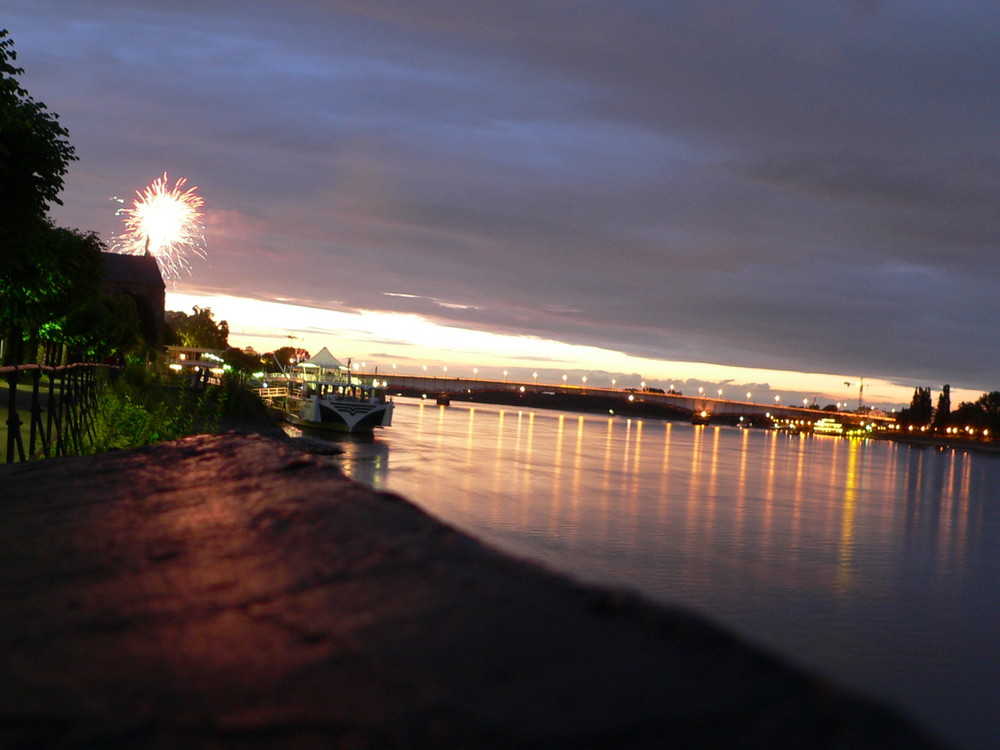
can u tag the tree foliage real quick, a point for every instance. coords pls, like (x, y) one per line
(286, 355)
(920, 409)
(199, 329)
(34, 152)
(243, 360)
(56, 297)
(943, 412)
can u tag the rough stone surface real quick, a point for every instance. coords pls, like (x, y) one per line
(231, 592)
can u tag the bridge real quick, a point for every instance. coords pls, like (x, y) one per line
(626, 401)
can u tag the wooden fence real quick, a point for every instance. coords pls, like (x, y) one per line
(58, 404)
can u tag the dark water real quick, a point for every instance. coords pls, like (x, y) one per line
(874, 564)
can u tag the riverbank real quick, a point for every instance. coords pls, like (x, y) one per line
(940, 443)
(230, 591)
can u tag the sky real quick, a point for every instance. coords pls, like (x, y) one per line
(757, 195)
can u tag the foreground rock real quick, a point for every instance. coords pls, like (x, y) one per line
(231, 592)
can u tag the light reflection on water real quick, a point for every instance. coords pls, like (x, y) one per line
(874, 563)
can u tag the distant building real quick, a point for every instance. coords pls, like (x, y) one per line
(139, 277)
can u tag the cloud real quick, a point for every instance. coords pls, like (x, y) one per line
(779, 184)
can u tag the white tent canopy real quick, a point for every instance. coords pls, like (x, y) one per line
(323, 359)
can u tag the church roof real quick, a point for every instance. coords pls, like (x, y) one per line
(132, 269)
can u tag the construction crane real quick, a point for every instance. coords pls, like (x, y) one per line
(861, 391)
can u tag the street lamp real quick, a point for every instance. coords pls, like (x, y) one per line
(445, 368)
(749, 396)
(534, 377)
(720, 393)
(475, 372)
(584, 378)
(564, 379)
(701, 391)
(505, 376)
(613, 381)
(777, 399)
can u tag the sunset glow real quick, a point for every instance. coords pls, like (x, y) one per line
(405, 343)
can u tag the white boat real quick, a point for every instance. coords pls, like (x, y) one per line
(321, 393)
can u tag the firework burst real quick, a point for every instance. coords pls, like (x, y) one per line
(166, 221)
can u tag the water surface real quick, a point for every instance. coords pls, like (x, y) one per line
(873, 563)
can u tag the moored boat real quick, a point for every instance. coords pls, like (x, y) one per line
(321, 393)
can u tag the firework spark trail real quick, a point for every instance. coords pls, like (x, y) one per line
(166, 221)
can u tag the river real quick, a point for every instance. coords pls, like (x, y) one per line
(874, 564)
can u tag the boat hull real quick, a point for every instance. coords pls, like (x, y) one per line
(342, 416)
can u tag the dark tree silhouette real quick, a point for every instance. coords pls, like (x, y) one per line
(943, 412)
(34, 156)
(920, 409)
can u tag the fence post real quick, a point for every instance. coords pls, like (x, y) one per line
(13, 420)
(60, 410)
(36, 414)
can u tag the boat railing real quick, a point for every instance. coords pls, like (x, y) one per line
(269, 394)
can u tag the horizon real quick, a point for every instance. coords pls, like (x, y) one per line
(366, 337)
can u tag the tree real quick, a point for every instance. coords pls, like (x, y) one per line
(243, 360)
(34, 155)
(63, 276)
(943, 412)
(285, 356)
(920, 409)
(34, 150)
(198, 330)
(101, 326)
(990, 404)
(984, 413)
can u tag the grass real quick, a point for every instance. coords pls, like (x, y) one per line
(140, 409)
